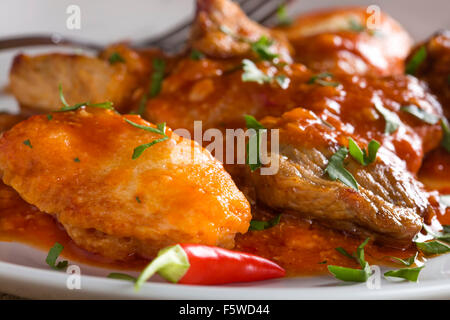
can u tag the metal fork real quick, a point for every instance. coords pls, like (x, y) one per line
(171, 41)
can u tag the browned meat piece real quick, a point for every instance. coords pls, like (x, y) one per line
(340, 40)
(388, 205)
(435, 69)
(222, 30)
(34, 80)
(78, 167)
(204, 90)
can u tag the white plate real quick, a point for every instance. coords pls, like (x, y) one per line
(23, 271)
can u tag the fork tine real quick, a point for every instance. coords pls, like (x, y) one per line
(179, 28)
(173, 36)
(39, 40)
(174, 39)
(252, 6)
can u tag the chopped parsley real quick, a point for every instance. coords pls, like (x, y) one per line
(421, 114)
(138, 200)
(197, 55)
(320, 79)
(350, 274)
(355, 25)
(156, 79)
(115, 57)
(336, 171)
(344, 252)
(121, 276)
(49, 117)
(262, 48)
(160, 129)
(254, 140)
(433, 247)
(362, 156)
(76, 160)
(256, 225)
(410, 274)
(28, 143)
(282, 15)
(407, 262)
(53, 254)
(416, 60)
(391, 118)
(445, 143)
(66, 107)
(283, 81)
(253, 74)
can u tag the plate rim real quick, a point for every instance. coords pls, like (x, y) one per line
(27, 281)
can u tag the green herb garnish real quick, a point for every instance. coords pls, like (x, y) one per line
(362, 156)
(283, 81)
(28, 143)
(319, 79)
(344, 252)
(355, 25)
(262, 48)
(121, 276)
(255, 139)
(445, 143)
(407, 262)
(256, 225)
(253, 74)
(160, 129)
(66, 107)
(138, 200)
(410, 274)
(350, 274)
(421, 114)
(416, 60)
(282, 15)
(156, 79)
(76, 160)
(197, 55)
(336, 171)
(391, 118)
(115, 57)
(53, 254)
(49, 117)
(433, 247)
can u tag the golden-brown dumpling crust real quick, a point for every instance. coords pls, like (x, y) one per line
(78, 166)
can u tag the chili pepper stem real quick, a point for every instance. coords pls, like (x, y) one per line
(171, 263)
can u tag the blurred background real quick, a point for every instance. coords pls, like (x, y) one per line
(106, 21)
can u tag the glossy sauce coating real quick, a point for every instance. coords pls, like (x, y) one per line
(299, 246)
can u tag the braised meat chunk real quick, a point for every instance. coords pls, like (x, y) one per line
(222, 30)
(203, 91)
(80, 167)
(349, 40)
(430, 61)
(386, 203)
(114, 76)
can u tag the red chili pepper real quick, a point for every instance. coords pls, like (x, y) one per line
(208, 265)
